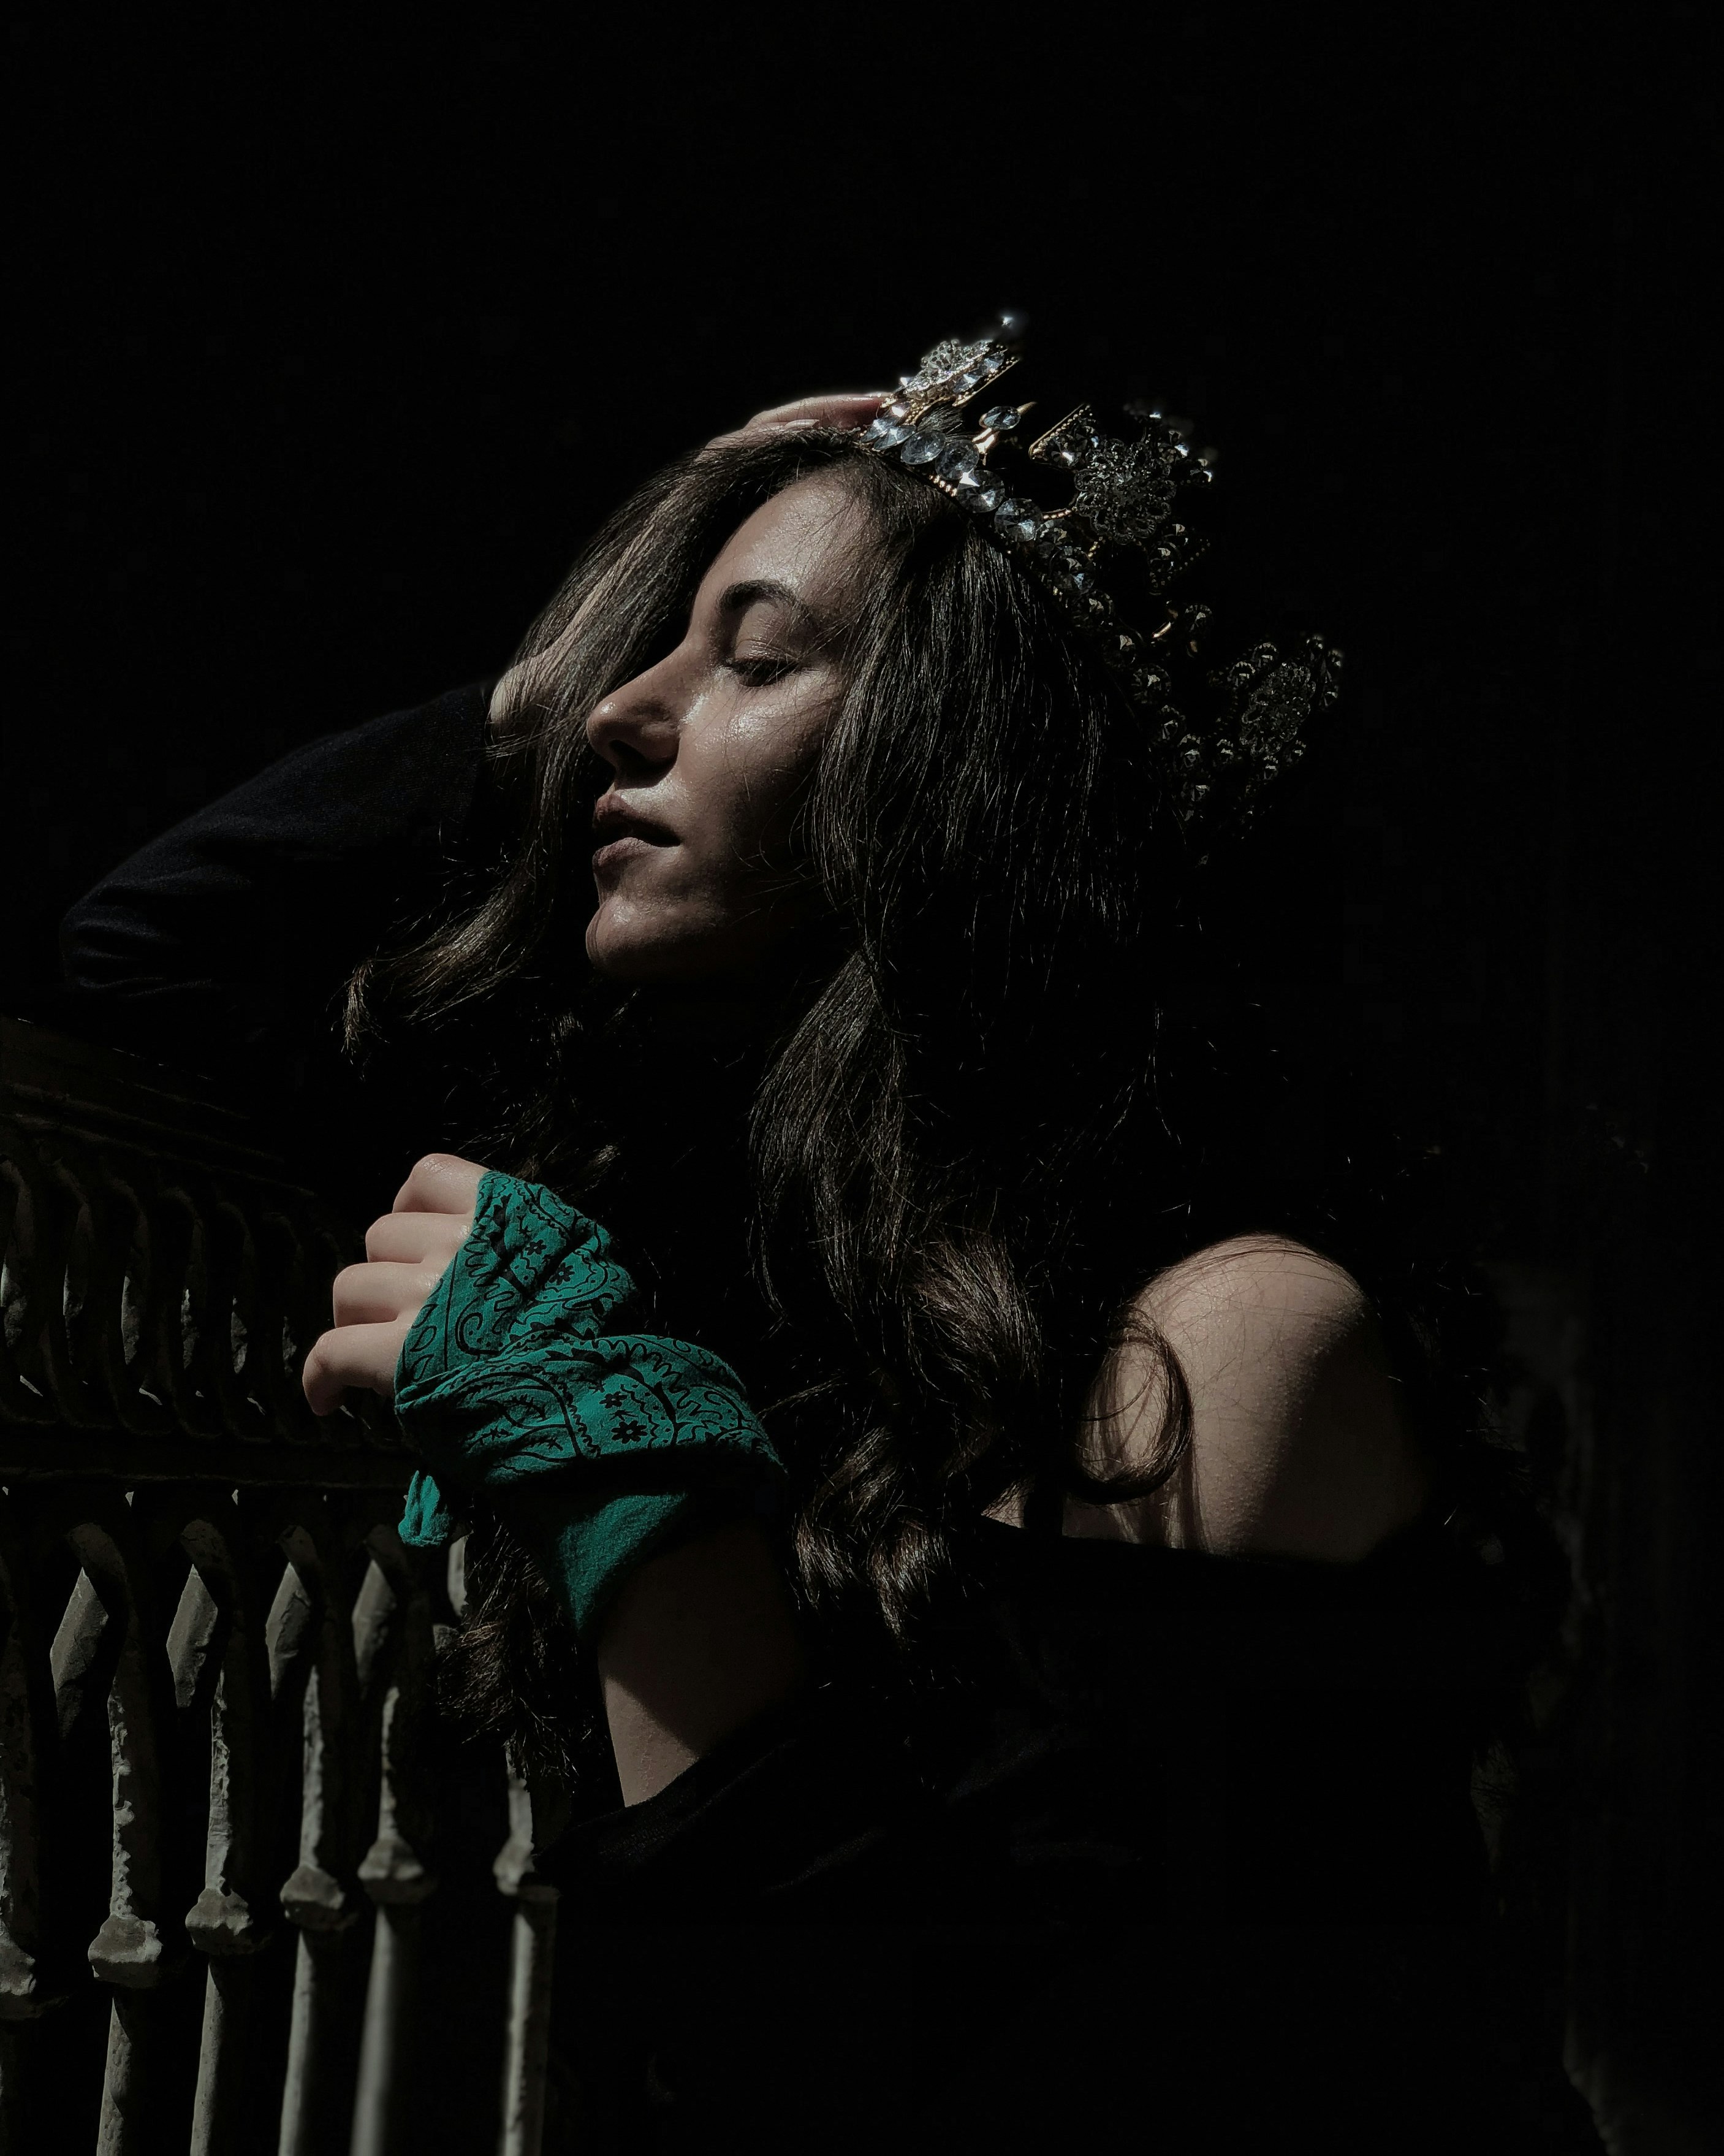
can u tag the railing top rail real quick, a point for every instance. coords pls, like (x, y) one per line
(162, 1274)
(79, 1086)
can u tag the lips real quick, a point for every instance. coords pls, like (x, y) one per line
(622, 835)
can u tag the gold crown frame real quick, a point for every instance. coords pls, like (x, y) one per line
(1119, 530)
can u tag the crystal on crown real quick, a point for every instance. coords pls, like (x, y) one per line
(1122, 495)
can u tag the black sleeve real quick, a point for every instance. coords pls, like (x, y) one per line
(1199, 1839)
(794, 1930)
(747, 1942)
(222, 946)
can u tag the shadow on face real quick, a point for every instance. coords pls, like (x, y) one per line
(709, 748)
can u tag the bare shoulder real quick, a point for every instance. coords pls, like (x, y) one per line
(1278, 1289)
(1300, 1446)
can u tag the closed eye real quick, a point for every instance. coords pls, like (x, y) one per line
(758, 673)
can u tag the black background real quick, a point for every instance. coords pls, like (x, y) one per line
(334, 342)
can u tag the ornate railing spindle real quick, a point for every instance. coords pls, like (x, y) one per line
(215, 1659)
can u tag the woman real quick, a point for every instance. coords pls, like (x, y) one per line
(1051, 1692)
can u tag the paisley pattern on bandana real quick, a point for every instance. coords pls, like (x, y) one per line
(595, 1443)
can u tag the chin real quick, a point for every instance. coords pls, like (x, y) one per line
(625, 959)
(636, 951)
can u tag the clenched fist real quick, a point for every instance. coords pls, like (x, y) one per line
(406, 1253)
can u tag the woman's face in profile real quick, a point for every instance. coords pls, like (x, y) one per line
(709, 747)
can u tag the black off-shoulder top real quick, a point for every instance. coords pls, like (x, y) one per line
(1181, 1853)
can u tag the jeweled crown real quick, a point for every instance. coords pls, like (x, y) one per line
(1107, 555)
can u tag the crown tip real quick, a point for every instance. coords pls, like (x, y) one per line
(1006, 325)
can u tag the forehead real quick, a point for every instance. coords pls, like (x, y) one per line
(810, 537)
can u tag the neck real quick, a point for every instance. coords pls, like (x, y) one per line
(721, 1015)
(735, 1013)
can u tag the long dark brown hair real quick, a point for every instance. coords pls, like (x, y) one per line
(912, 1203)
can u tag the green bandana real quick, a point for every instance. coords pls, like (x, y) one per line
(597, 1447)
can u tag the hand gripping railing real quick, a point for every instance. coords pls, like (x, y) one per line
(220, 1776)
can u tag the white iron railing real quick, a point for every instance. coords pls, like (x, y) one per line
(220, 1773)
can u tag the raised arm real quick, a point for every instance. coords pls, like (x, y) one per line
(223, 943)
(700, 1637)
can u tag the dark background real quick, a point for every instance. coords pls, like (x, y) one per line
(332, 343)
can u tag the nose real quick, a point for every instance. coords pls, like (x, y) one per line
(638, 724)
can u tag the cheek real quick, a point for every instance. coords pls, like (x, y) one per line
(744, 785)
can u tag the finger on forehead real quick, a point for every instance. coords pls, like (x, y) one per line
(838, 408)
(440, 1182)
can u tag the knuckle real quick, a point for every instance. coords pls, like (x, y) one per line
(434, 1179)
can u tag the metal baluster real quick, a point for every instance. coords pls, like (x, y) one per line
(532, 1944)
(24, 1392)
(26, 1731)
(392, 1635)
(21, 1992)
(129, 1951)
(222, 1923)
(317, 1898)
(15, 2062)
(63, 1254)
(316, 1901)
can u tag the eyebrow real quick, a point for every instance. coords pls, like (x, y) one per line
(738, 599)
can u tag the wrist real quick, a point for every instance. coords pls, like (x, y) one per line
(591, 1545)
(697, 1641)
